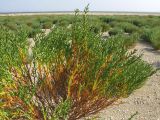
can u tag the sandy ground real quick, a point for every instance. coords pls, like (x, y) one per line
(144, 103)
(90, 13)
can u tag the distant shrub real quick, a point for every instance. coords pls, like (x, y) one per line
(96, 28)
(107, 19)
(114, 24)
(130, 39)
(138, 23)
(115, 31)
(44, 19)
(11, 25)
(105, 27)
(36, 25)
(63, 23)
(32, 32)
(47, 25)
(155, 37)
(55, 21)
(129, 28)
(146, 35)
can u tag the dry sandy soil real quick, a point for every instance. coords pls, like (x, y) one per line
(90, 13)
(144, 103)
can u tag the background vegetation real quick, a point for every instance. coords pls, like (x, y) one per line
(145, 26)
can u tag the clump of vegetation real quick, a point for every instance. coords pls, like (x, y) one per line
(47, 25)
(105, 27)
(129, 28)
(96, 28)
(107, 19)
(155, 37)
(68, 74)
(146, 35)
(10, 25)
(115, 31)
(152, 35)
(129, 39)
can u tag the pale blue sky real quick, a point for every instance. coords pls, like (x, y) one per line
(70, 5)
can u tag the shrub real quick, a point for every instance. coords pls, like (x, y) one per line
(105, 27)
(33, 24)
(115, 31)
(11, 25)
(130, 39)
(47, 25)
(146, 35)
(72, 73)
(96, 28)
(55, 21)
(152, 35)
(155, 37)
(113, 24)
(125, 26)
(138, 22)
(31, 32)
(63, 22)
(108, 19)
(129, 28)
(44, 19)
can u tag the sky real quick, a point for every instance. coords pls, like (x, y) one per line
(71, 5)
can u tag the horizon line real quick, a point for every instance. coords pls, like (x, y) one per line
(14, 12)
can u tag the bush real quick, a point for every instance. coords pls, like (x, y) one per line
(72, 73)
(152, 35)
(125, 26)
(63, 23)
(96, 28)
(130, 39)
(11, 25)
(47, 25)
(107, 19)
(31, 32)
(115, 31)
(114, 24)
(146, 35)
(129, 28)
(33, 24)
(105, 27)
(155, 37)
(138, 22)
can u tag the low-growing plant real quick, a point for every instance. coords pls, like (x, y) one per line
(47, 25)
(105, 27)
(155, 37)
(68, 74)
(11, 25)
(33, 32)
(108, 19)
(115, 31)
(146, 35)
(129, 28)
(96, 28)
(130, 39)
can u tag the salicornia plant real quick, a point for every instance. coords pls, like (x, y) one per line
(73, 73)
